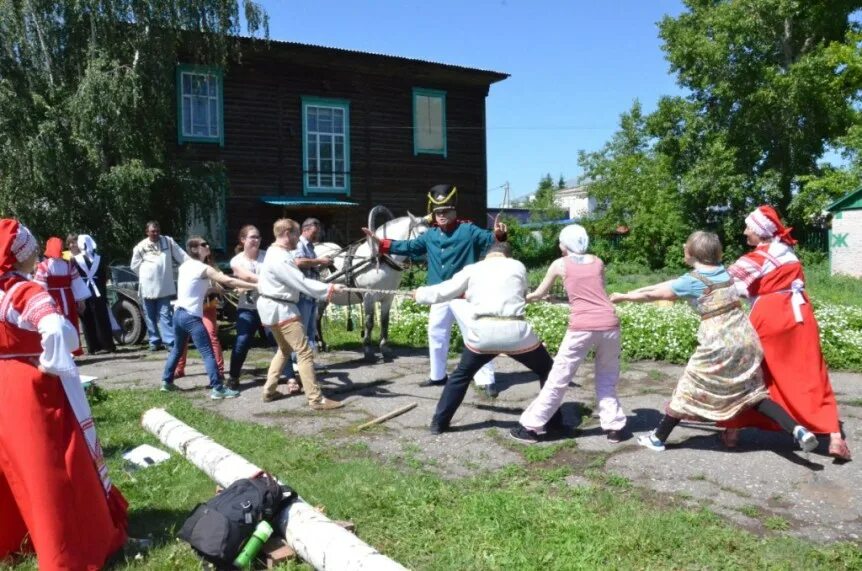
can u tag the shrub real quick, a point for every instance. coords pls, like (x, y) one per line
(650, 331)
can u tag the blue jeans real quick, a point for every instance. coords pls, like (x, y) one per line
(159, 310)
(247, 324)
(187, 325)
(308, 317)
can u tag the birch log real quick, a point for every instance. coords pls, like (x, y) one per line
(318, 540)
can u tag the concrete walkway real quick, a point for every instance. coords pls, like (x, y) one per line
(812, 496)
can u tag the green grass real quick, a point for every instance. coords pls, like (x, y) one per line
(839, 289)
(776, 523)
(513, 518)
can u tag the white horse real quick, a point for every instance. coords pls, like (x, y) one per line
(361, 267)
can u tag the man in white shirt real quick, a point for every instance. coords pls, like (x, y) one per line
(495, 290)
(279, 285)
(154, 259)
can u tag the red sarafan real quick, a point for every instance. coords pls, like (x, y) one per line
(53, 476)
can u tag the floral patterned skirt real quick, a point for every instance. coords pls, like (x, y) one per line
(723, 376)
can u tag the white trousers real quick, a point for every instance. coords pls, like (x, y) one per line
(573, 350)
(440, 329)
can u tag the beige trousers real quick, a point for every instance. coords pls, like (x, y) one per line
(290, 337)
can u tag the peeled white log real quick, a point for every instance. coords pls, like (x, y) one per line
(318, 540)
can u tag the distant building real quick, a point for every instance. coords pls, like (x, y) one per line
(575, 198)
(522, 215)
(845, 235)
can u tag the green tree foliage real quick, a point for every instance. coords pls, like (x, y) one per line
(634, 185)
(773, 85)
(768, 74)
(88, 112)
(544, 205)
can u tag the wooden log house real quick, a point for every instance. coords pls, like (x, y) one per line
(307, 130)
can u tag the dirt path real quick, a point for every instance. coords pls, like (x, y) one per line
(767, 484)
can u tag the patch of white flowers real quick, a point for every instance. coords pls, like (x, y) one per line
(649, 331)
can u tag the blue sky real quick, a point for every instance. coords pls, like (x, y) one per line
(575, 65)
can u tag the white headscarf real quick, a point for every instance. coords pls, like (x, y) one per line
(87, 245)
(575, 239)
(89, 271)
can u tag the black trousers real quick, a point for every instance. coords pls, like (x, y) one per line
(538, 361)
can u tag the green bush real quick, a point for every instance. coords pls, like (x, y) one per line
(650, 331)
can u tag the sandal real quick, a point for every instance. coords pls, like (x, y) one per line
(730, 437)
(293, 387)
(839, 450)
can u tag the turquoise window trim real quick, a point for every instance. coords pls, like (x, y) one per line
(344, 105)
(208, 70)
(417, 150)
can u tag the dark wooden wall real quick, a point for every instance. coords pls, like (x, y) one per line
(263, 142)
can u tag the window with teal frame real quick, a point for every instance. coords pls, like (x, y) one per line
(325, 145)
(200, 104)
(429, 121)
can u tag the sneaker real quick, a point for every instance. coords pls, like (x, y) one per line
(525, 435)
(492, 391)
(232, 383)
(325, 404)
(805, 438)
(433, 383)
(168, 388)
(155, 348)
(219, 393)
(651, 442)
(615, 436)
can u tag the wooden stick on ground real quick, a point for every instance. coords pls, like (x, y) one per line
(388, 415)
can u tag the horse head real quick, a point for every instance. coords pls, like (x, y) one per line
(417, 225)
(403, 228)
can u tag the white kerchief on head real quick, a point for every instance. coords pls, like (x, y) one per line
(760, 224)
(24, 245)
(87, 245)
(574, 237)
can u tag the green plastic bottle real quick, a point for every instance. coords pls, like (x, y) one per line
(252, 546)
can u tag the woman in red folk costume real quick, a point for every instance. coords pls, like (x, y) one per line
(55, 495)
(62, 280)
(793, 367)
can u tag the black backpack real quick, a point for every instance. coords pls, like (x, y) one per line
(218, 528)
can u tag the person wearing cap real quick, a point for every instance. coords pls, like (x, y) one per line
(494, 290)
(154, 259)
(310, 265)
(793, 365)
(63, 281)
(96, 320)
(593, 325)
(450, 245)
(56, 497)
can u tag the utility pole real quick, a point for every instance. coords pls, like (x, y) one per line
(506, 199)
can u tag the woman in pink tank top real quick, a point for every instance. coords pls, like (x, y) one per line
(593, 324)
